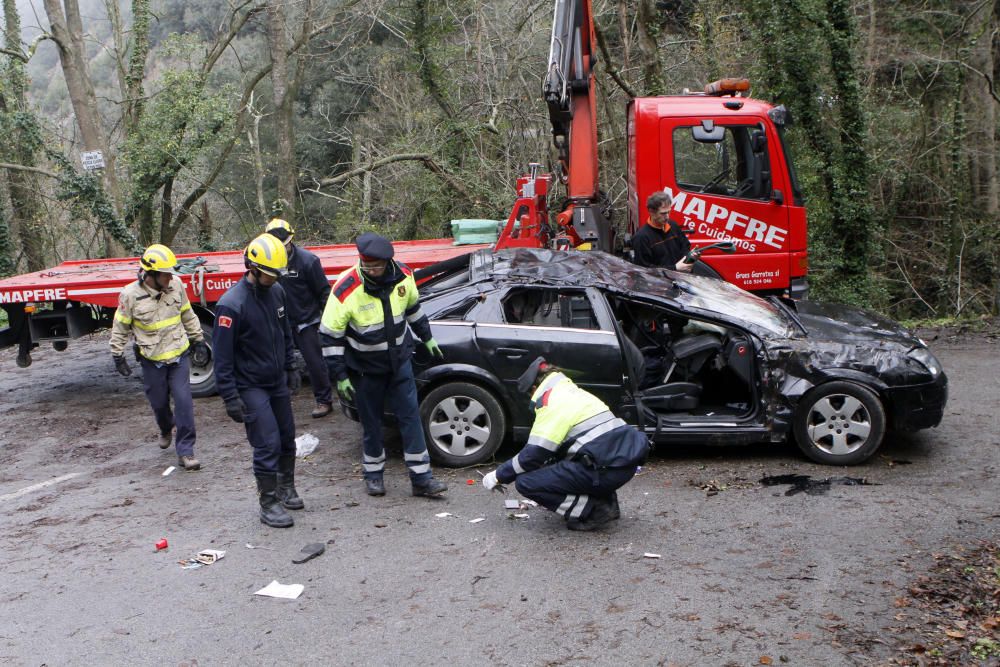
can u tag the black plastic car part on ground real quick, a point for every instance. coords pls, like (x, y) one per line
(688, 359)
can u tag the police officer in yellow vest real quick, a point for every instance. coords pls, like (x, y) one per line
(366, 341)
(156, 311)
(578, 453)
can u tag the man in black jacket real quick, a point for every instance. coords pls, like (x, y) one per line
(254, 357)
(306, 292)
(661, 241)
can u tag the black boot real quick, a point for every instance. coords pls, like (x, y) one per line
(431, 488)
(287, 494)
(616, 512)
(600, 515)
(374, 486)
(271, 512)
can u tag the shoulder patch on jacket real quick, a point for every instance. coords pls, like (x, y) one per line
(225, 321)
(544, 400)
(343, 287)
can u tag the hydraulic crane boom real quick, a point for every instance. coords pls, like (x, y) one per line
(569, 94)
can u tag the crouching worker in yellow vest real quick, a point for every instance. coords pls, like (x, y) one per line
(156, 311)
(578, 454)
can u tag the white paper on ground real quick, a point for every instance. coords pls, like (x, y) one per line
(209, 556)
(442, 515)
(305, 444)
(477, 520)
(522, 516)
(168, 471)
(276, 590)
(649, 555)
(512, 504)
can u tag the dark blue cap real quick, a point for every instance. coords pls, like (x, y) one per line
(373, 246)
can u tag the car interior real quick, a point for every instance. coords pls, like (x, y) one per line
(684, 368)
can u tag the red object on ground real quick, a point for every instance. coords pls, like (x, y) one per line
(470, 482)
(161, 545)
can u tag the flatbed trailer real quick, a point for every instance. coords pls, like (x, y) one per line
(79, 297)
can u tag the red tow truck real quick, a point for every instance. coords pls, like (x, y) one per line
(722, 157)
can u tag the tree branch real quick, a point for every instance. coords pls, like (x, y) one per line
(602, 44)
(37, 170)
(426, 159)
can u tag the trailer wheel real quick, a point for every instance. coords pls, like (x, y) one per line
(202, 378)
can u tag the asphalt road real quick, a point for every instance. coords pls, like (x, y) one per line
(745, 573)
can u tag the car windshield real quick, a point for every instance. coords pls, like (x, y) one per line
(726, 299)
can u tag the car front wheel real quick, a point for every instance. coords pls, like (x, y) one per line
(464, 424)
(839, 423)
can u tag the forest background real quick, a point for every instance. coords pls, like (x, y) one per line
(401, 115)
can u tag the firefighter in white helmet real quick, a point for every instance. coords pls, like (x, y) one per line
(155, 311)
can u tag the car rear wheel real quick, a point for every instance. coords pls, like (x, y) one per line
(202, 378)
(464, 424)
(839, 423)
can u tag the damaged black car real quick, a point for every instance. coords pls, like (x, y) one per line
(688, 359)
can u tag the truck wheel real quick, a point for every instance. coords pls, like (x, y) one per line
(203, 377)
(839, 423)
(464, 424)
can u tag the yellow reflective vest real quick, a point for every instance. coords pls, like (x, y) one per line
(364, 324)
(162, 323)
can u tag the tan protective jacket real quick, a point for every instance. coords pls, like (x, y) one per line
(162, 322)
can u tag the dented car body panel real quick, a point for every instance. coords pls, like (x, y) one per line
(688, 359)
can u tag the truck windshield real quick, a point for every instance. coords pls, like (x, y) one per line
(792, 174)
(718, 296)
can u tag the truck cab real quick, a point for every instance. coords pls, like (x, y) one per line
(725, 164)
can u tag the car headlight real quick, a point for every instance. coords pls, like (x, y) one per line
(924, 357)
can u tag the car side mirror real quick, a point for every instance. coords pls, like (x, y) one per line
(758, 142)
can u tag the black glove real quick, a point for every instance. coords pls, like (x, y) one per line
(236, 408)
(294, 379)
(200, 353)
(122, 366)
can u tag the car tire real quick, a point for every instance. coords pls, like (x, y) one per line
(202, 378)
(464, 424)
(839, 423)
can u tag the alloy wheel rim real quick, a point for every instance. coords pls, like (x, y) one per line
(838, 424)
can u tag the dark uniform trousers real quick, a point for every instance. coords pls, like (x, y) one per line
(163, 382)
(400, 390)
(307, 341)
(270, 425)
(569, 488)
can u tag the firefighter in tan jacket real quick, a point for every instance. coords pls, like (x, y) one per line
(155, 310)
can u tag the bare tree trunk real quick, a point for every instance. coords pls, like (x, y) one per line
(253, 136)
(981, 115)
(27, 216)
(283, 109)
(652, 66)
(67, 30)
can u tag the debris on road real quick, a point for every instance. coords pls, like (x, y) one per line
(519, 516)
(308, 552)
(650, 555)
(511, 504)
(812, 487)
(284, 591)
(209, 556)
(305, 445)
(477, 520)
(162, 544)
(167, 471)
(442, 515)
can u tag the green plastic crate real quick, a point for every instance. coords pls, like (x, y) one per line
(472, 231)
